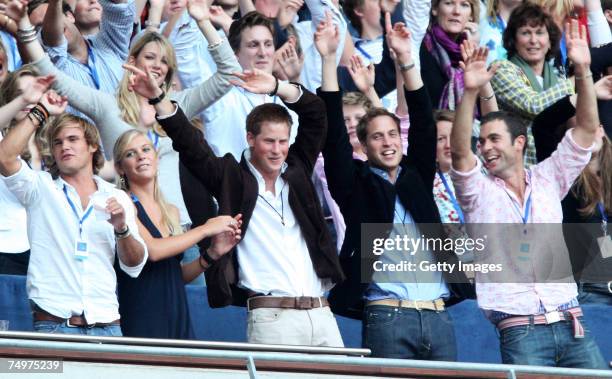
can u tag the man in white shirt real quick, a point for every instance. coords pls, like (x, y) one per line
(71, 281)
(286, 260)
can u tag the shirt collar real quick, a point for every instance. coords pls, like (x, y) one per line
(260, 180)
(100, 183)
(384, 174)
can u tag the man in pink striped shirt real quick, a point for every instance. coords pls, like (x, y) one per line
(538, 322)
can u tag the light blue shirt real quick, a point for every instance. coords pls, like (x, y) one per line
(12, 54)
(428, 285)
(108, 49)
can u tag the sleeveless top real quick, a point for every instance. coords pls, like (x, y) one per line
(154, 304)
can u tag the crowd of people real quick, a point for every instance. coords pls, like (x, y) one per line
(147, 143)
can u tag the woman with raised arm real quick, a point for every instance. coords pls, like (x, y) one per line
(115, 115)
(24, 97)
(155, 304)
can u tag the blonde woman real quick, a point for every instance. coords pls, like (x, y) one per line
(115, 115)
(154, 304)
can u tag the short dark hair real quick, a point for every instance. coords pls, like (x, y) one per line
(514, 124)
(606, 4)
(532, 15)
(249, 20)
(268, 112)
(362, 127)
(349, 7)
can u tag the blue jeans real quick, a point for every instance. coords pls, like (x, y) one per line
(594, 294)
(393, 332)
(550, 345)
(62, 328)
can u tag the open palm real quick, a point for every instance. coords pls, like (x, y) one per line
(475, 72)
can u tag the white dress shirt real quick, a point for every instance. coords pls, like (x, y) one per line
(57, 281)
(273, 258)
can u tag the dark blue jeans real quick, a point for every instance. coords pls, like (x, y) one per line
(392, 332)
(550, 345)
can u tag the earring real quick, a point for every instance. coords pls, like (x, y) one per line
(122, 182)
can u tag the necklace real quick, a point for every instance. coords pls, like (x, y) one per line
(282, 212)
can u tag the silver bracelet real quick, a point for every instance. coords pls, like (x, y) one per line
(487, 98)
(406, 67)
(586, 76)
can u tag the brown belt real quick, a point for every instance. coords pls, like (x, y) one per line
(74, 321)
(432, 305)
(302, 302)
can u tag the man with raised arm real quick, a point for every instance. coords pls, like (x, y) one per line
(286, 260)
(71, 280)
(404, 317)
(539, 322)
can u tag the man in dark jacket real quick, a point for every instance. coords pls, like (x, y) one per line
(405, 317)
(286, 260)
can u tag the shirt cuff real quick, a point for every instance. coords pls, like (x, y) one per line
(299, 87)
(466, 174)
(163, 117)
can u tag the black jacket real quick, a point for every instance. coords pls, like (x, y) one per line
(364, 197)
(236, 189)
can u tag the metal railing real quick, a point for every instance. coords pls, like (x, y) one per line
(250, 356)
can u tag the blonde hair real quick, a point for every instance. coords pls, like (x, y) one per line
(90, 133)
(474, 4)
(593, 187)
(119, 151)
(128, 101)
(559, 9)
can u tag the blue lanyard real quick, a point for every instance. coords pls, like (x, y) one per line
(604, 218)
(563, 50)
(452, 198)
(362, 51)
(154, 137)
(525, 217)
(602, 212)
(501, 25)
(76, 213)
(93, 71)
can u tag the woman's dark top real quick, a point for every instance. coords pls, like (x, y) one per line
(154, 304)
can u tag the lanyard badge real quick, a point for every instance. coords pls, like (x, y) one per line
(81, 251)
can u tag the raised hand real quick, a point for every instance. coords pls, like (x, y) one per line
(287, 62)
(287, 11)
(362, 75)
(17, 9)
(142, 82)
(219, 18)
(327, 37)
(199, 10)
(398, 40)
(36, 90)
(475, 72)
(54, 103)
(577, 45)
(603, 88)
(255, 81)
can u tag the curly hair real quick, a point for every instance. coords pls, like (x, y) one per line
(531, 15)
